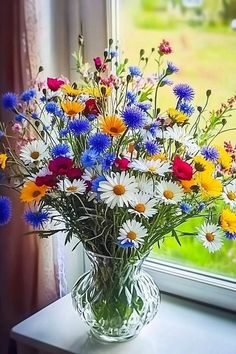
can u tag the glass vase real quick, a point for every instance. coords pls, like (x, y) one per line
(115, 298)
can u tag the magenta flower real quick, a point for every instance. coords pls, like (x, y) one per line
(54, 84)
(60, 166)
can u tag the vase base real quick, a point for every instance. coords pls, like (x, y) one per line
(110, 339)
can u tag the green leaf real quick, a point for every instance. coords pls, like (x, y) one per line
(174, 234)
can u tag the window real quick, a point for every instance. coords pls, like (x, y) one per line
(142, 24)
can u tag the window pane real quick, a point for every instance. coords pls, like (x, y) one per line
(203, 37)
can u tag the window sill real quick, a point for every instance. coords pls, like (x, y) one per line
(180, 327)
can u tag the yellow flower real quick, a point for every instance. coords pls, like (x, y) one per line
(188, 185)
(228, 221)
(31, 192)
(224, 158)
(102, 91)
(72, 107)
(71, 91)
(159, 156)
(203, 166)
(3, 159)
(209, 187)
(112, 125)
(177, 116)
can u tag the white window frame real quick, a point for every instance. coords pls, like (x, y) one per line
(171, 278)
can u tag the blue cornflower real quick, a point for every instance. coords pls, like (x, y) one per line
(185, 208)
(91, 117)
(43, 99)
(210, 153)
(134, 117)
(107, 160)
(28, 95)
(99, 142)
(36, 218)
(60, 150)
(96, 181)
(34, 115)
(201, 206)
(154, 128)
(1, 134)
(151, 147)
(126, 244)
(51, 107)
(145, 105)
(59, 112)
(183, 92)
(19, 118)
(9, 100)
(135, 71)
(5, 210)
(79, 126)
(63, 132)
(132, 97)
(89, 158)
(171, 68)
(186, 108)
(230, 235)
(166, 82)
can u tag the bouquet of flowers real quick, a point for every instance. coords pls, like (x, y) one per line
(100, 161)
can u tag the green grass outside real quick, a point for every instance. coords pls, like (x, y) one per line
(206, 57)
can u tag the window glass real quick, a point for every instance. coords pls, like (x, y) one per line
(203, 36)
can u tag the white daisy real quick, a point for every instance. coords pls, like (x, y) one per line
(145, 184)
(34, 152)
(211, 236)
(169, 192)
(229, 194)
(143, 205)
(132, 232)
(118, 189)
(75, 187)
(180, 135)
(153, 166)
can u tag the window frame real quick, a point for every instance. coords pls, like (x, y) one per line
(200, 286)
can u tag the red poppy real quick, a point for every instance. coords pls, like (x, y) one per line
(60, 165)
(122, 164)
(182, 169)
(54, 84)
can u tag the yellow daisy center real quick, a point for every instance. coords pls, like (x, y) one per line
(152, 168)
(231, 195)
(210, 236)
(119, 189)
(168, 194)
(140, 208)
(71, 189)
(132, 235)
(34, 155)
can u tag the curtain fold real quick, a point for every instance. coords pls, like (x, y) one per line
(27, 274)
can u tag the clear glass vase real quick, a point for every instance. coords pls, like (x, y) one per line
(115, 298)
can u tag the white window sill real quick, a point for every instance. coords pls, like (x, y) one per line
(180, 327)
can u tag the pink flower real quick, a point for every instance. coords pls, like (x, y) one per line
(182, 169)
(99, 64)
(54, 84)
(17, 128)
(74, 173)
(122, 164)
(164, 48)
